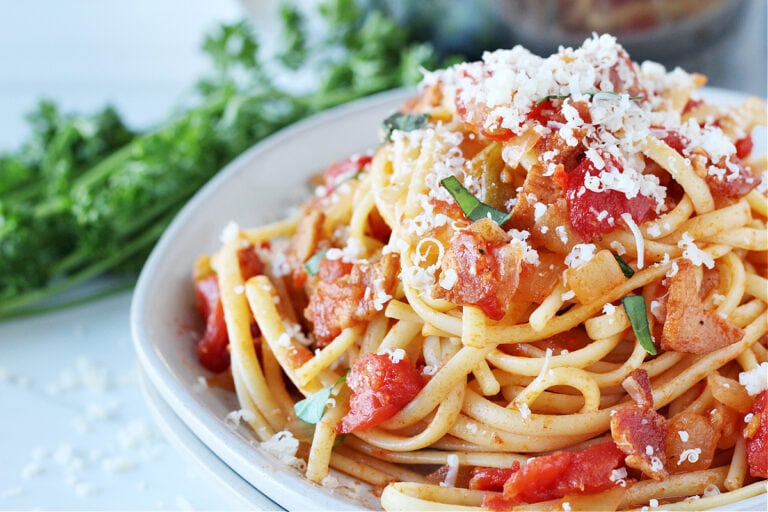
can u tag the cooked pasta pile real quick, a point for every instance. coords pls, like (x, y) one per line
(546, 289)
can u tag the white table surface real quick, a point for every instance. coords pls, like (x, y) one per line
(75, 431)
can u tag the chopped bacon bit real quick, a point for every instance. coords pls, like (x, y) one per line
(304, 243)
(640, 433)
(380, 388)
(491, 479)
(553, 476)
(339, 299)
(757, 442)
(694, 451)
(689, 327)
(638, 386)
(487, 266)
(545, 229)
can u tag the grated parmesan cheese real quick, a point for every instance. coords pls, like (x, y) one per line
(692, 252)
(755, 381)
(639, 240)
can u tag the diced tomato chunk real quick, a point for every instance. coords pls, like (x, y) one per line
(213, 347)
(591, 213)
(380, 387)
(345, 169)
(757, 443)
(744, 147)
(212, 351)
(491, 479)
(675, 140)
(561, 473)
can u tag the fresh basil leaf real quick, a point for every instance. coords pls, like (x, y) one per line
(312, 265)
(590, 94)
(311, 409)
(472, 207)
(404, 123)
(634, 305)
(552, 97)
(628, 271)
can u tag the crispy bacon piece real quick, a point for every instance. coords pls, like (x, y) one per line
(304, 243)
(689, 327)
(638, 386)
(549, 229)
(639, 431)
(756, 435)
(487, 266)
(347, 294)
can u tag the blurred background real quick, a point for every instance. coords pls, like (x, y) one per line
(144, 55)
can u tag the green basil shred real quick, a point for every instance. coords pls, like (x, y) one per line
(312, 265)
(590, 94)
(404, 123)
(628, 271)
(312, 408)
(634, 305)
(472, 207)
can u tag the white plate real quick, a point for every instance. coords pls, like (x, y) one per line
(184, 440)
(259, 186)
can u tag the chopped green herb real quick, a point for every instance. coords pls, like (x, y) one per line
(634, 305)
(404, 123)
(590, 94)
(312, 265)
(628, 271)
(472, 207)
(311, 409)
(552, 97)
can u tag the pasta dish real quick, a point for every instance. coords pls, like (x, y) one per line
(545, 290)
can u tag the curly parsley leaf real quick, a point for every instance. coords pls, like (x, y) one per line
(312, 408)
(634, 305)
(472, 207)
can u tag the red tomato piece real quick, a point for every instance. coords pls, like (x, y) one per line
(212, 351)
(380, 388)
(757, 444)
(491, 479)
(675, 140)
(213, 347)
(561, 473)
(584, 205)
(744, 147)
(340, 171)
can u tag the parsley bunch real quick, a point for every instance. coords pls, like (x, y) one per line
(86, 196)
